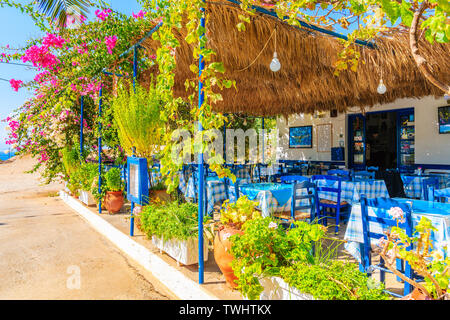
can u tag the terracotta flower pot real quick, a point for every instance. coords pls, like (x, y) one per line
(114, 201)
(416, 295)
(222, 254)
(161, 194)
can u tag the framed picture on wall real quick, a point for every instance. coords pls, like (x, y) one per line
(444, 119)
(301, 137)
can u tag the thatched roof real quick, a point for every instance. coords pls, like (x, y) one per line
(306, 81)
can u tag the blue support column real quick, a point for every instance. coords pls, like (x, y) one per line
(201, 98)
(100, 148)
(263, 138)
(134, 88)
(81, 127)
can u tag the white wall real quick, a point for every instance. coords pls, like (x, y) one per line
(430, 146)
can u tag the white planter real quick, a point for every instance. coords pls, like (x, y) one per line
(87, 198)
(183, 251)
(276, 289)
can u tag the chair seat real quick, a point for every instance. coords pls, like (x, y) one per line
(287, 215)
(330, 202)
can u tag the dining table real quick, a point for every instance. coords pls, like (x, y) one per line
(438, 213)
(413, 183)
(351, 191)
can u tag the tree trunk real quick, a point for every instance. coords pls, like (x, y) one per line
(421, 62)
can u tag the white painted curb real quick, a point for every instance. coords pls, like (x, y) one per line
(175, 281)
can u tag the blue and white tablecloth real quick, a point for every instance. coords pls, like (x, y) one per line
(413, 184)
(351, 191)
(438, 213)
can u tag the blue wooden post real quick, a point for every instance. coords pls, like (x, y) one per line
(100, 149)
(134, 88)
(81, 128)
(263, 138)
(201, 99)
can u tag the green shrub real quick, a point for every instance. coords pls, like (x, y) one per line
(113, 180)
(170, 221)
(296, 255)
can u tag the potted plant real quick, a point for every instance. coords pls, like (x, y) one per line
(426, 262)
(272, 263)
(114, 191)
(173, 228)
(159, 191)
(232, 217)
(83, 178)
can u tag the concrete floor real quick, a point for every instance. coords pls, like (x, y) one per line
(48, 252)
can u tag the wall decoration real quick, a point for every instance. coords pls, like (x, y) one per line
(324, 137)
(300, 137)
(444, 119)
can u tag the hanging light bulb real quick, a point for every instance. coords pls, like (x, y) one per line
(275, 65)
(381, 87)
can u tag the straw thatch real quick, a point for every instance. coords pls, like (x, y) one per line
(306, 81)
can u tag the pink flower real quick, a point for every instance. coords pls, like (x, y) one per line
(140, 14)
(52, 40)
(396, 213)
(111, 43)
(15, 84)
(102, 15)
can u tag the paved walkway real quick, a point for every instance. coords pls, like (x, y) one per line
(48, 252)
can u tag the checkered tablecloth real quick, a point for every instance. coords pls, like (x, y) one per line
(351, 191)
(413, 184)
(438, 213)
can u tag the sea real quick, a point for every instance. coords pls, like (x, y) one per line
(4, 155)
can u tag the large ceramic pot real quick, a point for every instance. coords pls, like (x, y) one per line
(416, 295)
(161, 194)
(222, 254)
(114, 201)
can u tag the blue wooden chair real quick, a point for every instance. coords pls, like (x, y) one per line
(438, 195)
(340, 173)
(292, 179)
(364, 175)
(383, 205)
(300, 210)
(232, 193)
(429, 182)
(335, 208)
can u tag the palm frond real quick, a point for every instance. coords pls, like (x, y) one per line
(59, 9)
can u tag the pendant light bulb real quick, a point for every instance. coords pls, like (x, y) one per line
(381, 87)
(275, 65)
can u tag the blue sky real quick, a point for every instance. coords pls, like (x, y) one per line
(15, 29)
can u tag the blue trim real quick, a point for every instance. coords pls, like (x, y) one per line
(100, 147)
(81, 127)
(433, 166)
(201, 170)
(307, 25)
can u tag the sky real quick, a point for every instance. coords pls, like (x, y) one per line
(15, 29)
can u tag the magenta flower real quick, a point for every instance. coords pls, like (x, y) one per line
(15, 84)
(52, 40)
(139, 15)
(111, 43)
(102, 15)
